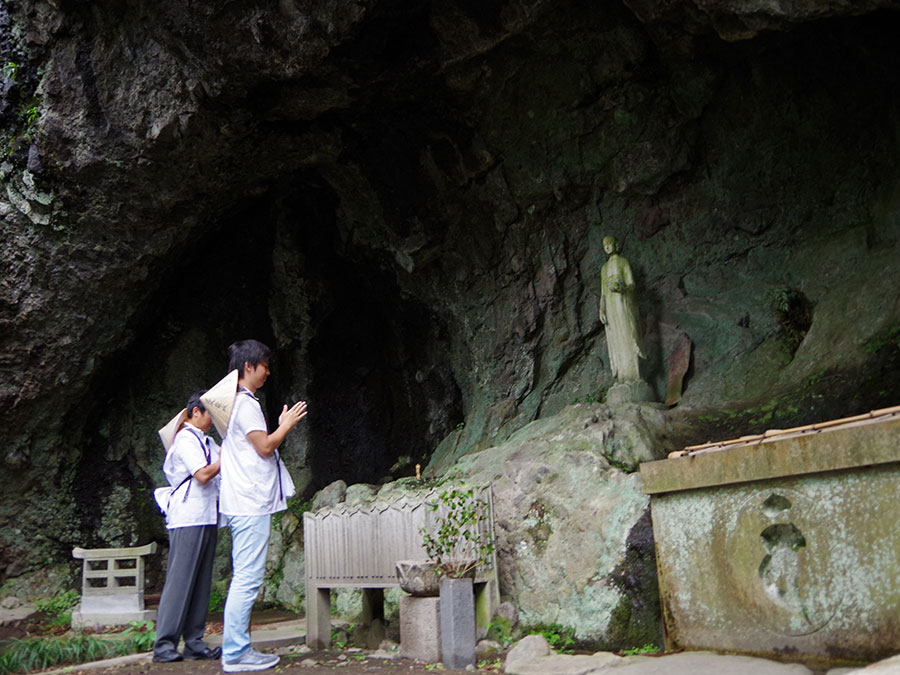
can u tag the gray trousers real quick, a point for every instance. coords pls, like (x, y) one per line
(184, 604)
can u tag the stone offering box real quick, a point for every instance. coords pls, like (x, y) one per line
(112, 586)
(358, 547)
(784, 545)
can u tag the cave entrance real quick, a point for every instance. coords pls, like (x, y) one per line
(377, 361)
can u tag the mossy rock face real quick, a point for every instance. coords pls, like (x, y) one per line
(637, 619)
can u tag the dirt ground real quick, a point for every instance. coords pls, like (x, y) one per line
(348, 662)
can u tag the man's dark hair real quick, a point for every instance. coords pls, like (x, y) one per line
(253, 352)
(195, 402)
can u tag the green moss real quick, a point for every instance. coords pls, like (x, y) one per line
(886, 337)
(636, 619)
(500, 630)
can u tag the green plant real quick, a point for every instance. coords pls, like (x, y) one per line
(434, 666)
(648, 648)
(40, 653)
(560, 638)
(59, 607)
(216, 600)
(141, 635)
(793, 314)
(30, 115)
(59, 603)
(459, 542)
(10, 70)
(496, 664)
(340, 637)
(299, 506)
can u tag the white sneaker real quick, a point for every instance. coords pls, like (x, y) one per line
(250, 660)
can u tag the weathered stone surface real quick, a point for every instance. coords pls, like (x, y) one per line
(688, 663)
(285, 582)
(886, 666)
(420, 628)
(331, 495)
(707, 663)
(565, 664)
(507, 611)
(528, 649)
(457, 616)
(359, 492)
(418, 577)
(795, 564)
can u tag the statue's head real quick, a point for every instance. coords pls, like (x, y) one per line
(610, 245)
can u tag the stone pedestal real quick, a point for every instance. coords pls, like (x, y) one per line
(628, 392)
(457, 623)
(420, 628)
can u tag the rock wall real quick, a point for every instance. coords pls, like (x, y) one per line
(406, 201)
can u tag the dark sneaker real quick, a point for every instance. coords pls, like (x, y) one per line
(250, 660)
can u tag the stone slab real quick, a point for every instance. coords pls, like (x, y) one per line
(420, 628)
(686, 663)
(706, 663)
(112, 604)
(565, 664)
(88, 619)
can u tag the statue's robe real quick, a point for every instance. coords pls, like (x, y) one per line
(623, 337)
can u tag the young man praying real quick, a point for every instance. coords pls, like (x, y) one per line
(251, 492)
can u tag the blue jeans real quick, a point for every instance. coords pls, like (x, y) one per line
(249, 543)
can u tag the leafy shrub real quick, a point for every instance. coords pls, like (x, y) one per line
(455, 545)
(59, 603)
(59, 607)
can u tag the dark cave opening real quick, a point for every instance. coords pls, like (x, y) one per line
(380, 387)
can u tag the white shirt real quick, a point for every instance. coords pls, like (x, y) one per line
(249, 481)
(197, 505)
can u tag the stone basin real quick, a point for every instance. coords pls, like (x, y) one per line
(785, 545)
(419, 578)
